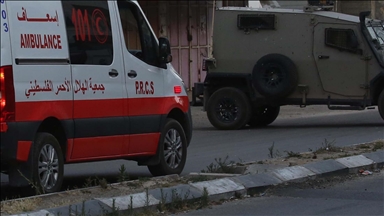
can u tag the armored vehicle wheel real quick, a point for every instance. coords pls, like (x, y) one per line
(380, 103)
(228, 109)
(263, 116)
(275, 75)
(172, 150)
(47, 163)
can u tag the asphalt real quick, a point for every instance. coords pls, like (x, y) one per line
(258, 178)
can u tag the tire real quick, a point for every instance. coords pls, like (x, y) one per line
(174, 140)
(275, 76)
(380, 104)
(47, 168)
(228, 109)
(263, 116)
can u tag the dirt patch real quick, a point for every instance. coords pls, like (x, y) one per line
(70, 197)
(79, 195)
(322, 182)
(327, 151)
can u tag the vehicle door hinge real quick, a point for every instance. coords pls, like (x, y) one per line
(366, 58)
(364, 86)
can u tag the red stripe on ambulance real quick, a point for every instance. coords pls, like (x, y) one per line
(39, 110)
(94, 148)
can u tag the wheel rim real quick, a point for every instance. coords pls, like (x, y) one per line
(273, 76)
(227, 110)
(173, 148)
(48, 167)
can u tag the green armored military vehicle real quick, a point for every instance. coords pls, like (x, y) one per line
(267, 58)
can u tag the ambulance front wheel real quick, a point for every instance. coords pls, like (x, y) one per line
(47, 163)
(172, 150)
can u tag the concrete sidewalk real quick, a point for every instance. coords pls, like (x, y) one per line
(223, 188)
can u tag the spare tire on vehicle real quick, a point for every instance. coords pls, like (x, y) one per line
(275, 76)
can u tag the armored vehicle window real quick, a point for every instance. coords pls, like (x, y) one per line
(343, 39)
(256, 21)
(89, 32)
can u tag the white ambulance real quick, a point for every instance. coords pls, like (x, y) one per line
(87, 81)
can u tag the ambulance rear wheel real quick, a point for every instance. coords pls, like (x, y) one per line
(172, 150)
(380, 103)
(47, 163)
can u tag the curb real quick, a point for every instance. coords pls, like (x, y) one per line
(218, 189)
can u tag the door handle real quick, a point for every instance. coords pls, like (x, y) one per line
(132, 74)
(323, 57)
(113, 73)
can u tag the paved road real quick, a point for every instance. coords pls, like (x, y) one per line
(361, 196)
(295, 130)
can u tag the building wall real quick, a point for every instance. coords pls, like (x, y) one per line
(188, 26)
(354, 7)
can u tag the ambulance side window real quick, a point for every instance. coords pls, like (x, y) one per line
(89, 32)
(138, 37)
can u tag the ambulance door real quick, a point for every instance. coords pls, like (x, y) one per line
(41, 71)
(143, 79)
(97, 78)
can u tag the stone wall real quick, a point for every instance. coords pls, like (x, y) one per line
(355, 7)
(379, 10)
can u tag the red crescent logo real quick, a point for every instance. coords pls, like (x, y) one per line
(97, 26)
(100, 26)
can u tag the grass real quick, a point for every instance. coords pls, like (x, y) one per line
(23, 205)
(38, 190)
(95, 181)
(123, 175)
(221, 166)
(204, 201)
(272, 152)
(344, 155)
(378, 145)
(198, 178)
(364, 146)
(143, 179)
(328, 146)
(291, 154)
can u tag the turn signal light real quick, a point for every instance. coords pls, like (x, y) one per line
(177, 89)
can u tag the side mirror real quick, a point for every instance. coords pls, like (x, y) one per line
(164, 50)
